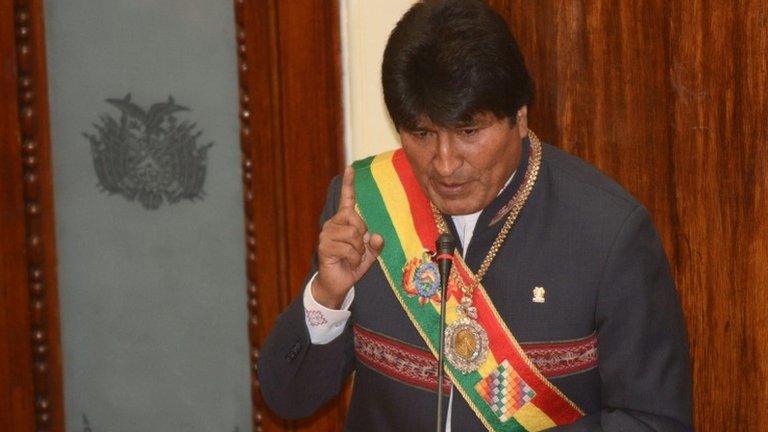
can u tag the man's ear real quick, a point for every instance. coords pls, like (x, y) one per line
(522, 121)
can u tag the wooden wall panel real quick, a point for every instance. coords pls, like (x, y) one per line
(718, 74)
(310, 76)
(669, 98)
(291, 132)
(601, 87)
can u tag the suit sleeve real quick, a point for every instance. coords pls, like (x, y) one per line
(642, 344)
(297, 377)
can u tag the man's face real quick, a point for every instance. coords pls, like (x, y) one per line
(462, 168)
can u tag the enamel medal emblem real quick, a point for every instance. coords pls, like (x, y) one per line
(421, 278)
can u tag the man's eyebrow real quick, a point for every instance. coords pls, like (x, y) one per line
(469, 123)
(476, 121)
(419, 127)
(416, 128)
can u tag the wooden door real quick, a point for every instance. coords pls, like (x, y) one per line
(291, 142)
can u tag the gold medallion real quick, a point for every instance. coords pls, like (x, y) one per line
(466, 344)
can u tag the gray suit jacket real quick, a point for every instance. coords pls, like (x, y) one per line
(595, 251)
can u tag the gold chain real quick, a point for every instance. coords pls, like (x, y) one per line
(517, 205)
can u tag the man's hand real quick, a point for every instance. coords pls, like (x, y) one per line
(346, 251)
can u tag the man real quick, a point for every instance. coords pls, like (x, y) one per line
(561, 311)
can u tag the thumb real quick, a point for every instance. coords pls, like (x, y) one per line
(376, 244)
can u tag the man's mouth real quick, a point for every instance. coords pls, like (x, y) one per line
(450, 189)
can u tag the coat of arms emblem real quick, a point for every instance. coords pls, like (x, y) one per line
(149, 156)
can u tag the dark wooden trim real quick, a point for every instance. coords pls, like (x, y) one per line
(16, 393)
(259, 146)
(292, 145)
(39, 215)
(29, 249)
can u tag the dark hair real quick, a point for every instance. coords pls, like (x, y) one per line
(450, 60)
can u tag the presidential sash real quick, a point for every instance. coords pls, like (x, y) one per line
(506, 391)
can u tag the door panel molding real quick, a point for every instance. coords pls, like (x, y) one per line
(29, 247)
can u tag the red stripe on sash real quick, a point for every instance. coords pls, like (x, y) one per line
(423, 219)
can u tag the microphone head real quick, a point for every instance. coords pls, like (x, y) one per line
(445, 244)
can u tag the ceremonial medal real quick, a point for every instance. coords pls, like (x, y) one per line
(427, 279)
(466, 341)
(421, 278)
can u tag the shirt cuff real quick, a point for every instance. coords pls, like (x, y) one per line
(325, 324)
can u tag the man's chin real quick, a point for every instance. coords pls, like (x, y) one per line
(456, 207)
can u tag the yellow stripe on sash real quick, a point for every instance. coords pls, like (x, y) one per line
(532, 418)
(451, 314)
(488, 366)
(396, 202)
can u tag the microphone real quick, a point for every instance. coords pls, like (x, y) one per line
(444, 246)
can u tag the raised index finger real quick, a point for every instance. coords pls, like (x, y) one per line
(348, 189)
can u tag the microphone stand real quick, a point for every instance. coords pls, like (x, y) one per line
(445, 246)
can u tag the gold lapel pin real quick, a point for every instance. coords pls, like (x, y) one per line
(538, 295)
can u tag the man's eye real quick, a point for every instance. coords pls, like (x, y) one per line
(420, 134)
(468, 131)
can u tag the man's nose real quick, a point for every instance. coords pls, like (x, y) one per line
(447, 159)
